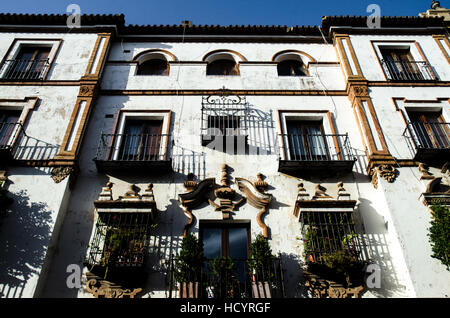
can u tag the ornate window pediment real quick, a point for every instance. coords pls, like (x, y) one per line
(226, 200)
(119, 244)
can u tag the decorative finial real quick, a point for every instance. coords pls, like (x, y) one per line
(435, 5)
(260, 184)
(224, 181)
(320, 192)
(425, 173)
(190, 184)
(302, 194)
(131, 191)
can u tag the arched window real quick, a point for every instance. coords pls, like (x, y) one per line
(222, 67)
(291, 68)
(156, 66)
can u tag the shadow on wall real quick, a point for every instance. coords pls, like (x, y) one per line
(294, 284)
(261, 139)
(24, 237)
(376, 249)
(188, 161)
(31, 148)
(165, 240)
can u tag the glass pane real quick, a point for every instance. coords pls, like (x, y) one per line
(238, 243)
(238, 251)
(212, 243)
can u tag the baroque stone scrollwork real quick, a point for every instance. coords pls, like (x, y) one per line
(322, 288)
(225, 193)
(60, 173)
(195, 197)
(256, 196)
(105, 289)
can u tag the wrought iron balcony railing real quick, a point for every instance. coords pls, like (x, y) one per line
(431, 141)
(408, 71)
(429, 135)
(315, 151)
(227, 278)
(24, 69)
(133, 150)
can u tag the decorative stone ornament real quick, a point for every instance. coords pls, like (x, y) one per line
(342, 193)
(386, 171)
(223, 202)
(148, 193)
(60, 173)
(322, 288)
(256, 197)
(105, 289)
(423, 168)
(320, 193)
(225, 195)
(302, 194)
(106, 194)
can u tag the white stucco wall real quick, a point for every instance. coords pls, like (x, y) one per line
(29, 232)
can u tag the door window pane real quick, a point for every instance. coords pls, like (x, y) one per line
(212, 242)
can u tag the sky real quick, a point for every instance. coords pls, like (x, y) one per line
(222, 12)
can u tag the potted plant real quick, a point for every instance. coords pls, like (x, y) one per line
(260, 265)
(188, 265)
(223, 277)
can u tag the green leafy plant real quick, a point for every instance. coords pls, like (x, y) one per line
(345, 264)
(260, 258)
(190, 260)
(439, 235)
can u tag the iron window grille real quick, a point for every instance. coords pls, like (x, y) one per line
(223, 116)
(327, 232)
(120, 240)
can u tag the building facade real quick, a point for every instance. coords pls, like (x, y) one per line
(319, 139)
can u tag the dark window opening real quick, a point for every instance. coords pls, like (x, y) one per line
(226, 240)
(153, 67)
(222, 67)
(291, 68)
(430, 129)
(141, 140)
(8, 126)
(306, 140)
(400, 65)
(30, 63)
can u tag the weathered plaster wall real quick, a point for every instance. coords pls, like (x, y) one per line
(28, 234)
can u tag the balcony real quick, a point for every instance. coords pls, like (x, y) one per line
(430, 140)
(129, 152)
(408, 71)
(24, 70)
(10, 133)
(229, 278)
(304, 153)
